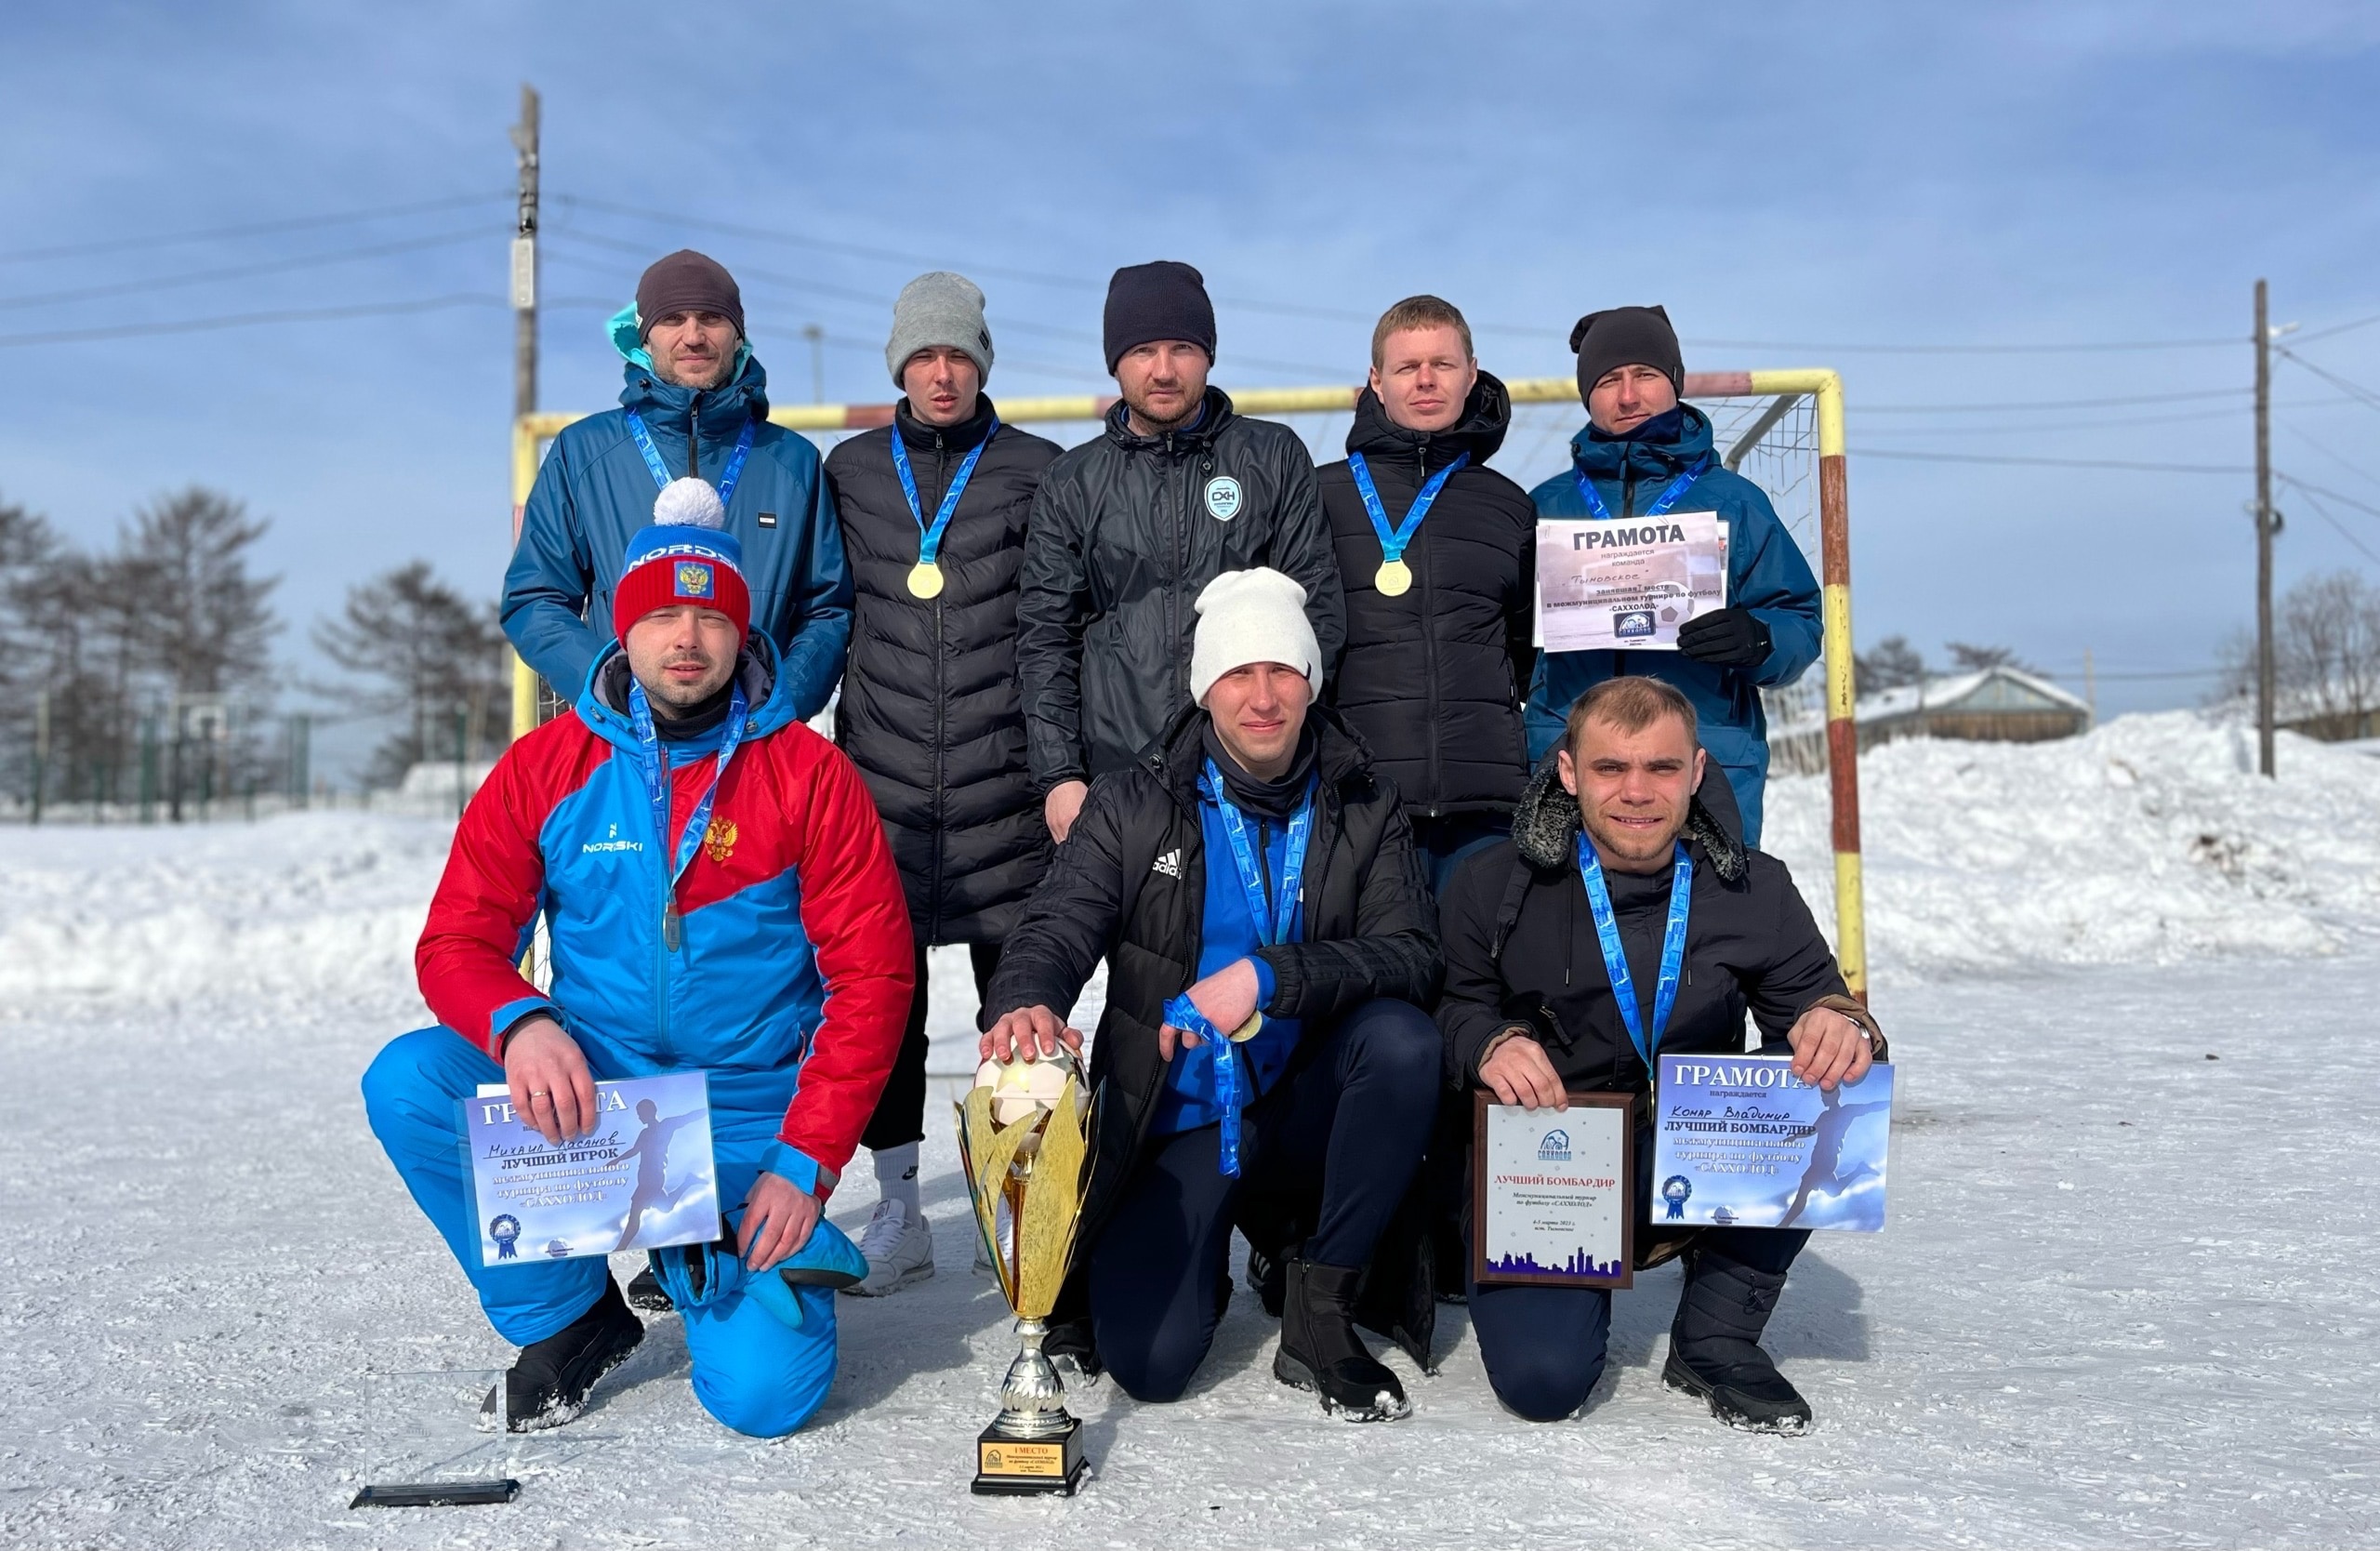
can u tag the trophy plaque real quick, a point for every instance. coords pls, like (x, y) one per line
(1021, 1140)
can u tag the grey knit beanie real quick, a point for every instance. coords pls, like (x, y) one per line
(939, 307)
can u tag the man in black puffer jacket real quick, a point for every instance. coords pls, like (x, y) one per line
(1439, 583)
(1529, 1013)
(1130, 526)
(1251, 876)
(929, 709)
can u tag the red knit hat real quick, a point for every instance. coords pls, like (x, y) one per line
(686, 557)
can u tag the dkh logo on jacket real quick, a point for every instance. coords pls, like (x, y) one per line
(1222, 497)
(695, 579)
(1170, 864)
(611, 841)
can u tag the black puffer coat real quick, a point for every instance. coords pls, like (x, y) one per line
(1125, 533)
(1370, 924)
(929, 709)
(1436, 679)
(1750, 942)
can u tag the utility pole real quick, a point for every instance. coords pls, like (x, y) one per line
(2091, 685)
(525, 261)
(2263, 538)
(817, 338)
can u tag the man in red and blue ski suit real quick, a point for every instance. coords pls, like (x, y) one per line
(778, 961)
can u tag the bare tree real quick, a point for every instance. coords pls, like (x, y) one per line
(1893, 663)
(1967, 657)
(207, 625)
(2326, 651)
(434, 652)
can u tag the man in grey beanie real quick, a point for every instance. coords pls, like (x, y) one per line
(933, 508)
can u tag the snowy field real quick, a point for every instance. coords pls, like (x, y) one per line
(2128, 1293)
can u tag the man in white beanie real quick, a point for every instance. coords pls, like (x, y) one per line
(933, 510)
(1252, 887)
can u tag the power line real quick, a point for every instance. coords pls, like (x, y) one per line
(2337, 328)
(2362, 395)
(2057, 462)
(300, 223)
(2324, 513)
(2294, 482)
(243, 320)
(242, 271)
(2051, 403)
(1969, 350)
(2354, 469)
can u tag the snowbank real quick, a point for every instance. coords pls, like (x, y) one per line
(299, 909)
(2147, 840)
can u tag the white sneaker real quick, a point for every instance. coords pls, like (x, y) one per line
(899, 1250)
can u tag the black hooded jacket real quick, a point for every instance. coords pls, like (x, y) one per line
(929, 710)
(1126, 532)
(1749, 941)
(1436, 679)
(1130, 886)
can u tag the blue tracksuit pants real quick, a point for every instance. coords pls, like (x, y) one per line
(752, 1371)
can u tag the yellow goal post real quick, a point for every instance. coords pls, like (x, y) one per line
(1781, 429)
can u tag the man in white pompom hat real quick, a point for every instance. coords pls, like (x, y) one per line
(694, 405)
(1265, 1058)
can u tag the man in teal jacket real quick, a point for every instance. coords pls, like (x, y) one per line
(1642, 453)
(695, 405)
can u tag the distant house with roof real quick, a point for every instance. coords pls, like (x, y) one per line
(1997, 705)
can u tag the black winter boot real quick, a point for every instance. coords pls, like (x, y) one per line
(548, 1383)
(1321, 1351)
(646, 1292)
(1714, 1346)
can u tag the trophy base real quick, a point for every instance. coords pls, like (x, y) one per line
(1006, 1467)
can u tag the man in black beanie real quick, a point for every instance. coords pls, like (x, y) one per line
(1127, 529)
(1645, 452)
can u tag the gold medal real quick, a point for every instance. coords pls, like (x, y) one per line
(1247, 1032)
(925, 579)
(1394, 578)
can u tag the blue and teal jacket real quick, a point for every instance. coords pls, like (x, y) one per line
(595, 491)
(1767, 573)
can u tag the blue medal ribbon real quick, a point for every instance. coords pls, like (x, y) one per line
(930, 538)
(1276, 921)
(655, 766)
(1615, 962)
(1223, 1056)
(1275, 917)
(1393, 541)
(728, 476)
(1662, 502)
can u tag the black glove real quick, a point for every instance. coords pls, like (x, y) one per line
(1731, 638)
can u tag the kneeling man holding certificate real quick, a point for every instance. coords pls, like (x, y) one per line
(1252, 886)
(721, 904)
(1622, 920)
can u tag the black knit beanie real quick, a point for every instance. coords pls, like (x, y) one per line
(1163, 300)
(687, 282)
(1626, 337)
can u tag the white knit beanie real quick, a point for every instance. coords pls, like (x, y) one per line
(1248, 616)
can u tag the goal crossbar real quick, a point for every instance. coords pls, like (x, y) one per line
(1824, 387)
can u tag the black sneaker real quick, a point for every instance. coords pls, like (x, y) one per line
(646, 1292)
(1748, 1394)
(1267, 1278)
(548, 1383)
(1070, 1346)
(1321, 1351)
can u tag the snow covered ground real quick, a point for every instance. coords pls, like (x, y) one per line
(2127, 1294)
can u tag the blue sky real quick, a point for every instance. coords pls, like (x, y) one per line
(1798, 184)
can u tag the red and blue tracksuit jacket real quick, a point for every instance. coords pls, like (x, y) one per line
(791, 978)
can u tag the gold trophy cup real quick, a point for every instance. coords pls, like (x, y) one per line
(1020, 1139)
